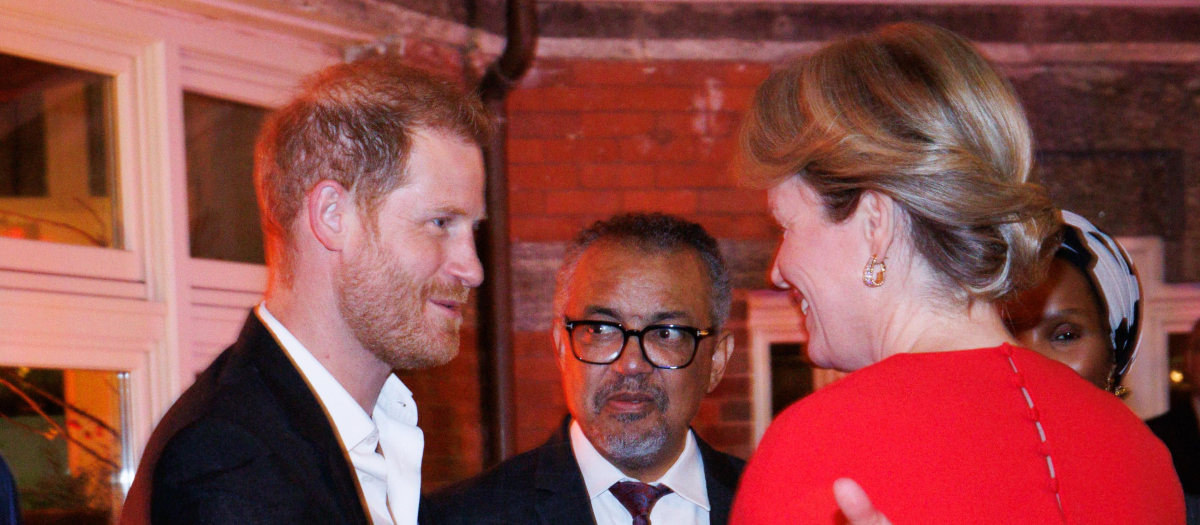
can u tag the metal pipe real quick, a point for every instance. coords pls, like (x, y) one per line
(497, 400)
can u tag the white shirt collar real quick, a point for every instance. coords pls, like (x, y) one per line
(385, 448)
(685, 477)
(351, 422)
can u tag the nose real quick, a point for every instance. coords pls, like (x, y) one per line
(632, 362)
(464, 265)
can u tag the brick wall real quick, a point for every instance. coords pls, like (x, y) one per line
(448, 413)
(591, 138)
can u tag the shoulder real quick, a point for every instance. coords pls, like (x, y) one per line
(508, 489)
(718, 463)
(229, 393)
(859, 391)
(1179, 413)
(229, 417)
(205, 447)
(215, 471)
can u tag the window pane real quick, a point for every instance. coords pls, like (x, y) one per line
(791, 375)
(222, 211)
(61, 436)
(56, 161)
(1180, 377)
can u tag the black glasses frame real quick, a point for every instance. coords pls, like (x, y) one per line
(696, 334)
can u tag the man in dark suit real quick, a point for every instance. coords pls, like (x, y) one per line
(1179, 429)
(370, 184)
(640, 303)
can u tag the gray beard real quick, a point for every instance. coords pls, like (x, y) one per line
(634, 451)
(629, 448)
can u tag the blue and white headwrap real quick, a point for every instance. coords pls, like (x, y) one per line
(1115, 280)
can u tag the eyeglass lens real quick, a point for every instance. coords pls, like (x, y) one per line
(664, 346)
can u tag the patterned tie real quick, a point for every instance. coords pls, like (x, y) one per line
(638, 498)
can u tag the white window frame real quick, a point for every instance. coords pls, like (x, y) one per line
(133, 64)
(1167, 308)
(147, 309)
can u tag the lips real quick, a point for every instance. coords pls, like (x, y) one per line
(799, 300)
(629, 401)
(449, 306)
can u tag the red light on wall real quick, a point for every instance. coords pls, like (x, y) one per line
(13, 232)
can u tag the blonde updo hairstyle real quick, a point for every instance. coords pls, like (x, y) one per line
(913, 112)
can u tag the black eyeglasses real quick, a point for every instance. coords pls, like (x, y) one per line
(667, 346)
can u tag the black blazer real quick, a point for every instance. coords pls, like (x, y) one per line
(248, 443)
(545, 486)
(1180, 431)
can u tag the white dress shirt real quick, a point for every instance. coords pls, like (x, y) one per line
(688, 504)
(385, 447)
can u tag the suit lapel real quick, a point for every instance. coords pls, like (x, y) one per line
(562, 494)
(308, 416)
(721, 478)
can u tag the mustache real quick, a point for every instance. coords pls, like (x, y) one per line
(636, 385)
(443, 291)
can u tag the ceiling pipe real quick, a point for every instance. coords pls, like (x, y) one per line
(497, 400)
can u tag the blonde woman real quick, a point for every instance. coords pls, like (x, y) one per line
(897, 164)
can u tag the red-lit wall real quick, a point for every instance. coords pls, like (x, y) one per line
(591, 138)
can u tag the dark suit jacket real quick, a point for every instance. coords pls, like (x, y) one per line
(545, 486)
(1180, 431)
(248, 443)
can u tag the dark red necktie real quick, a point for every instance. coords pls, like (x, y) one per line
(638, 498)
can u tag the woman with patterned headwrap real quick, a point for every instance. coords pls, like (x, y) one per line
(1087, 315)
(1087, 312)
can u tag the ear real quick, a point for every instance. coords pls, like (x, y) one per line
(330, 208)
(880, 216)
(559, 333)
(721, 354)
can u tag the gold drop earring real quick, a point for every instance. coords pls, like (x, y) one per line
(873, 277)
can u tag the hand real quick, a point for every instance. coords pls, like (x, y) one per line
(856, 505)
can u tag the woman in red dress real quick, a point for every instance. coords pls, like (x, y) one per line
(897, 164)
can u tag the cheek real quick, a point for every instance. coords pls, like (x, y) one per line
(1094, 353)
(1088, 356)
(686, 392)
(580, 384)
(418, 255)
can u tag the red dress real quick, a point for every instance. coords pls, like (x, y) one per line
(950, 437)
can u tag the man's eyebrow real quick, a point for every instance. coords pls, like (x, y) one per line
(600, 310)
(459, 212)
(450, 210)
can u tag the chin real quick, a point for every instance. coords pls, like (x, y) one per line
(823, 358)
(419, 350)
(817, 355)
(444, 350)
(632, 445)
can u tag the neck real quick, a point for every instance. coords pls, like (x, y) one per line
(313, 318)
(924, 328)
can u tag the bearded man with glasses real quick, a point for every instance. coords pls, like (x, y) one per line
(639, 306)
